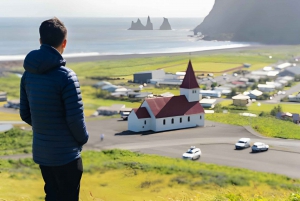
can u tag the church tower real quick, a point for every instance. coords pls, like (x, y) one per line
(190, 87)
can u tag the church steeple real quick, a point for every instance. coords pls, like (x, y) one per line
(189, 81)
(190, 86)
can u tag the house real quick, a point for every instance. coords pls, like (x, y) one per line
(169, 113)
(167, 94)
(208, 103)
(239, 84)
(146, 76)
(293, 98)
(296, 118)
(210, 93)
(267, 68)
(223, 89)
(241, 100)
(277, 85)
(101, 84)
(140, 95)
(292, 71)
(108, 111)
(265, 87)
(255, 94)
(282, 66)
(109, 88)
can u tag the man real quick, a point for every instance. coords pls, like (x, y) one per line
(51, 103)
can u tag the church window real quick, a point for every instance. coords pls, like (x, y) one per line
(200, 117)
(189, 118)
(180, 120)
(172, 121)
(164, 122)
(145, 122)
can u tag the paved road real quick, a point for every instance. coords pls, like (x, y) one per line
(215, 140)
(290, 91)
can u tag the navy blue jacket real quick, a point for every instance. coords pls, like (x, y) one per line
(51, 103)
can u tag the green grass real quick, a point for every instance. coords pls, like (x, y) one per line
(15, 141)
(123, 175)
(267, 107)
(127, 67)
(11, 85)
(267, 126)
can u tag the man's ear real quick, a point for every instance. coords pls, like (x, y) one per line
(40, 41)
(64, 43)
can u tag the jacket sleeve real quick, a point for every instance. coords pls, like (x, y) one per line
(24, 103)
(72, 101)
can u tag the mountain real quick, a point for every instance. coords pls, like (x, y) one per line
(139, 26)
(165, 25)
(261, 21)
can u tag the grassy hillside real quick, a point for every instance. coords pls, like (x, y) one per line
(267, 126)
(122, 175)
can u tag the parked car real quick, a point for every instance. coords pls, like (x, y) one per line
(192, 154)
(259, 146)
(242, 143)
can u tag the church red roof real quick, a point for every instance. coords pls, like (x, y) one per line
(141, 113)
(173, 106)
(189, 81)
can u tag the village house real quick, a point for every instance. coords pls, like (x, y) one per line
(254, 94)
(169, 113)
(241, 100)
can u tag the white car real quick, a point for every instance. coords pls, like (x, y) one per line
(259, 146)
(192, 154)
(242, 143)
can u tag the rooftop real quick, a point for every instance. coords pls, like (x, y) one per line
(169, 106)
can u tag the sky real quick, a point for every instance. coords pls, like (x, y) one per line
(105, 8)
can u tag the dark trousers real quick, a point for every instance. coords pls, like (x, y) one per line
(62, 183)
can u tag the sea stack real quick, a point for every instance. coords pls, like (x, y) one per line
(259, 21)
(165, 25)
(149, 25)
(137, 25)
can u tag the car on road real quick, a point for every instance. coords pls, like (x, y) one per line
(242, 143)
(259, 146)
(192, 154)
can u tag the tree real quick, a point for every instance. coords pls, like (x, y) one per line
(233, 92)
(254, 86)
(275, 110)
(218, 108)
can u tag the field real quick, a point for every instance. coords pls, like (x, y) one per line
(122, 175)
(267, 126)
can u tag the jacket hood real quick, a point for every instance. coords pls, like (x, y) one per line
(43, 60)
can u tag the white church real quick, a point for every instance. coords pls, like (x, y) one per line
(169, 113)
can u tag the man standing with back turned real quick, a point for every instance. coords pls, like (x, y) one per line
(51, 103)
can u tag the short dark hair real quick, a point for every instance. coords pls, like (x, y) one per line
(53, 32)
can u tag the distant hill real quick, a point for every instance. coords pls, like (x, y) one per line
(262, 21)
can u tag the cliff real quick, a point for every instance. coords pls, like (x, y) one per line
(139, 26)
(165, 25)
(262, 21)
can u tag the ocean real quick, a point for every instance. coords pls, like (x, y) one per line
(106, 36)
